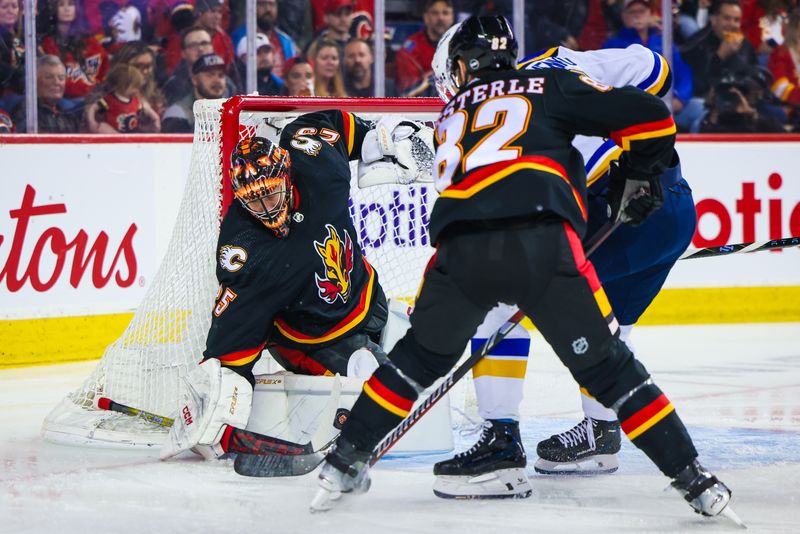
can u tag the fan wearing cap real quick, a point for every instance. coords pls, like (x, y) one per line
(338, 16)
(195, 42)
(208, 81)
(267, 82)
(283, 46)
(209, 17)
(298, 77)
(292, 275)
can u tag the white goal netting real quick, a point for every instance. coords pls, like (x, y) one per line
(168, 331)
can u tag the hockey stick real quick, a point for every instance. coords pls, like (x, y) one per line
(238, 440)
(285, 465)
(446, 385)
(303, 464)
(740, 247)
(600, 236)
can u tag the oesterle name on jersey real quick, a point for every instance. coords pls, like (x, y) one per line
(482, 91)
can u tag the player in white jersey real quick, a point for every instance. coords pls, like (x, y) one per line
(632, 265)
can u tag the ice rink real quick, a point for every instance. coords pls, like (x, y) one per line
(736, 386)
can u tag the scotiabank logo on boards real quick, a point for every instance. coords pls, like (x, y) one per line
(73, 258)
(752, 205)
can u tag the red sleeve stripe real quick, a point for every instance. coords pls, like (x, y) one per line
(242, 357)
(386, 398)
(648, 416)
(647, 130)
(349, 131)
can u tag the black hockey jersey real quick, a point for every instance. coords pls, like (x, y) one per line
(504, 144)
(312, 287)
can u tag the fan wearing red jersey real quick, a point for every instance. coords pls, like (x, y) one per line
(121, 110)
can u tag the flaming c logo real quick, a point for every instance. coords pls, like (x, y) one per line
(337, 258)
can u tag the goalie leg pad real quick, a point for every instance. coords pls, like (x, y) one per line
(213, 398)
(501, 484)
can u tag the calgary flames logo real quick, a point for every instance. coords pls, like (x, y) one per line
(338, 261)
(232, 258)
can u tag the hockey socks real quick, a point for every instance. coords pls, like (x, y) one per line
(386, 400)
(648, 418)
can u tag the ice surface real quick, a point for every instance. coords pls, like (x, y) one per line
(736, 386)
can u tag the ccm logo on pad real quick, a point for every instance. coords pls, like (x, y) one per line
(187, 416)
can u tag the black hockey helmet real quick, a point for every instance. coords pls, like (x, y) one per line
(260, 175)
(484, 43)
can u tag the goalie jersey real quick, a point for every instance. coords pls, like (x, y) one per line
(312, 287)
(504, 144)
(635, 65)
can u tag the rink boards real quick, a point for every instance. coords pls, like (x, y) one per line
(85, 223)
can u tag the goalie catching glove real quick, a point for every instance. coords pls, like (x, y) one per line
(213, 398)
(632, 197)
(396, 151)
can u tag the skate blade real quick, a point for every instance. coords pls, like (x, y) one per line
(323, 500)
(502, 484)
(728, 513)
(601, 464)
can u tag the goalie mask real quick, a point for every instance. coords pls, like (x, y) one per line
(260, 177)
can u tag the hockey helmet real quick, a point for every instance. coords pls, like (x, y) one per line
(483, 43)
(260, 177)
(441, 65)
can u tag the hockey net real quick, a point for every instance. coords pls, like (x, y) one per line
(167, 334)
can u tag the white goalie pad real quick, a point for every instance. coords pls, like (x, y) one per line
(212, 398)
(291, 407)
(501, 484)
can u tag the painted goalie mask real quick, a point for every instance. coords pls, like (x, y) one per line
(260, 177)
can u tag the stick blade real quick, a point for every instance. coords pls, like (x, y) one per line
(277, 465)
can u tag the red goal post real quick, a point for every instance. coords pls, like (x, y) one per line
(166, 336)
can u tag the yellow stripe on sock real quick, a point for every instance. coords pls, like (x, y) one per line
(500, 368)
(644, 427)
(383, 403)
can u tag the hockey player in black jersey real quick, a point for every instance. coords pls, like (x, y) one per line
(292, 277)
(508, 227)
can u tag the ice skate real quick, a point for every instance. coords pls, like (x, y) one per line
(704, 493)
(345, 471)
(589, 448)
(493, 468)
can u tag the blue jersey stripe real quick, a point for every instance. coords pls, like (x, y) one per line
(508, 347)
(654, 74)
(600, 152)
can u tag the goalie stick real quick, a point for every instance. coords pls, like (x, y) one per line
(237, 440)
(757, 246)
(304, 464)
(287, 465)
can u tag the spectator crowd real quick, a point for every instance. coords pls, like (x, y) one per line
(131, 66)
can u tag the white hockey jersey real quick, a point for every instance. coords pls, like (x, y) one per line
(636, 65)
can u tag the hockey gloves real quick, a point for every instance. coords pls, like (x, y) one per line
(396, 151)
(632, 197)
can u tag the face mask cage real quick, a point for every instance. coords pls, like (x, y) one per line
(445, 86)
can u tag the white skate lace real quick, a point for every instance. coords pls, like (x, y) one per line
(576, 434)
(484, 435)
